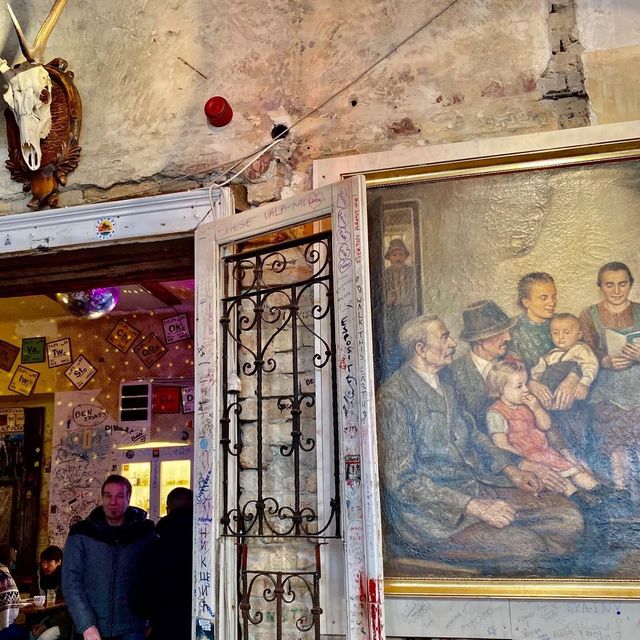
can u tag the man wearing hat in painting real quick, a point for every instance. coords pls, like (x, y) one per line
(486, 328)
(399, 298)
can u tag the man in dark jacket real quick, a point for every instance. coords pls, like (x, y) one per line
(163, 587)
(100, 560)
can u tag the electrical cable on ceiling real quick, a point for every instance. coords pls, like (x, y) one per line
(224, 168)
(251, 161)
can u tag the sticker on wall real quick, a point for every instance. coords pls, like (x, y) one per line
(8, 355)
(122, 336)
(105, 228)
(176, 328)
(89, 415)
(352, 469)
(150, 350)
(87, 439)
(166, 399)
(59, 353)
(11, 421)
(204, 629)
(23, 381)
(188, 398)
(80, 372)
(32, 350)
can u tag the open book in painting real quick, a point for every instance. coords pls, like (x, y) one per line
(615, 340)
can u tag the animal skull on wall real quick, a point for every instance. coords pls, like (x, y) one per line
(43, 118)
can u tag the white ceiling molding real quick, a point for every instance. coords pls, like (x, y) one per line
(164, 215)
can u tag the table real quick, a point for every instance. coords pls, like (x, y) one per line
(33, 613)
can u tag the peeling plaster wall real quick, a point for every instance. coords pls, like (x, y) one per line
(609, 30)
(145, 71)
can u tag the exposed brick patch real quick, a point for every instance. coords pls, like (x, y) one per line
(563, 80)
(403, 127)
(447, 101)
(493, 90)
(259, 168)
(153, 186)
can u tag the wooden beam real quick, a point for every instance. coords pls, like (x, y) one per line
(162, 293)
(46, 273)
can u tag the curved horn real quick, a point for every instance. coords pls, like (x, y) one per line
(27, 52)
(47, 27)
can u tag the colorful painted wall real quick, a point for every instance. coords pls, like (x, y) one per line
(74, 368)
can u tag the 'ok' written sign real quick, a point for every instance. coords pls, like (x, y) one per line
(176, 328)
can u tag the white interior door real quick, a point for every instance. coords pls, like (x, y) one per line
(358, 608)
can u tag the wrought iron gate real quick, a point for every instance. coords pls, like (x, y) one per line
(278, 343)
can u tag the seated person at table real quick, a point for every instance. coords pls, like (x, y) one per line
(9, 607)
(49, 577)
(49, 574)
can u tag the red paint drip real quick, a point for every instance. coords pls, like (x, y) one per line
(363, 588)
(375, 610)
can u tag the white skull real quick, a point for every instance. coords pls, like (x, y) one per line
(28, 95)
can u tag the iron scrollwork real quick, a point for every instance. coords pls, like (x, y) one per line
(275, 590)
(277, 298)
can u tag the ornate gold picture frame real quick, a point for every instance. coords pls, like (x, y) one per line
(482, 225)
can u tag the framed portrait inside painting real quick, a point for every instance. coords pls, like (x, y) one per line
(395, 249)
(508, 384)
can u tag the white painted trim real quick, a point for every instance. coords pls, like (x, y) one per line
(205, 503)
(329, 170)
(356, 414)
(150, 219)
(155, 216)
(310, 205)
(360, 508)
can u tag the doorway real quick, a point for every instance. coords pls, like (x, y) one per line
(21, 432)
(74, 355)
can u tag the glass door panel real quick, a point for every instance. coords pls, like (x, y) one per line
(173, 473)
(139, 475)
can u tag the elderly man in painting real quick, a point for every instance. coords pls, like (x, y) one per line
(486, 328)
(447, 492)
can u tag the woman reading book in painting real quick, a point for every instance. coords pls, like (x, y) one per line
(611, 328)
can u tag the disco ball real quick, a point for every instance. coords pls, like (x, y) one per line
(91, 304)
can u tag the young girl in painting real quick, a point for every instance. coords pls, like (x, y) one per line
(517, 421)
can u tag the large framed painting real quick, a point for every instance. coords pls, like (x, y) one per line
(507, 372)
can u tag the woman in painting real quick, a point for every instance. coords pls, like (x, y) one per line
(609, 328)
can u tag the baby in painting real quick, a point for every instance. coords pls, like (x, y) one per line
(517, 421)
(569, 355)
